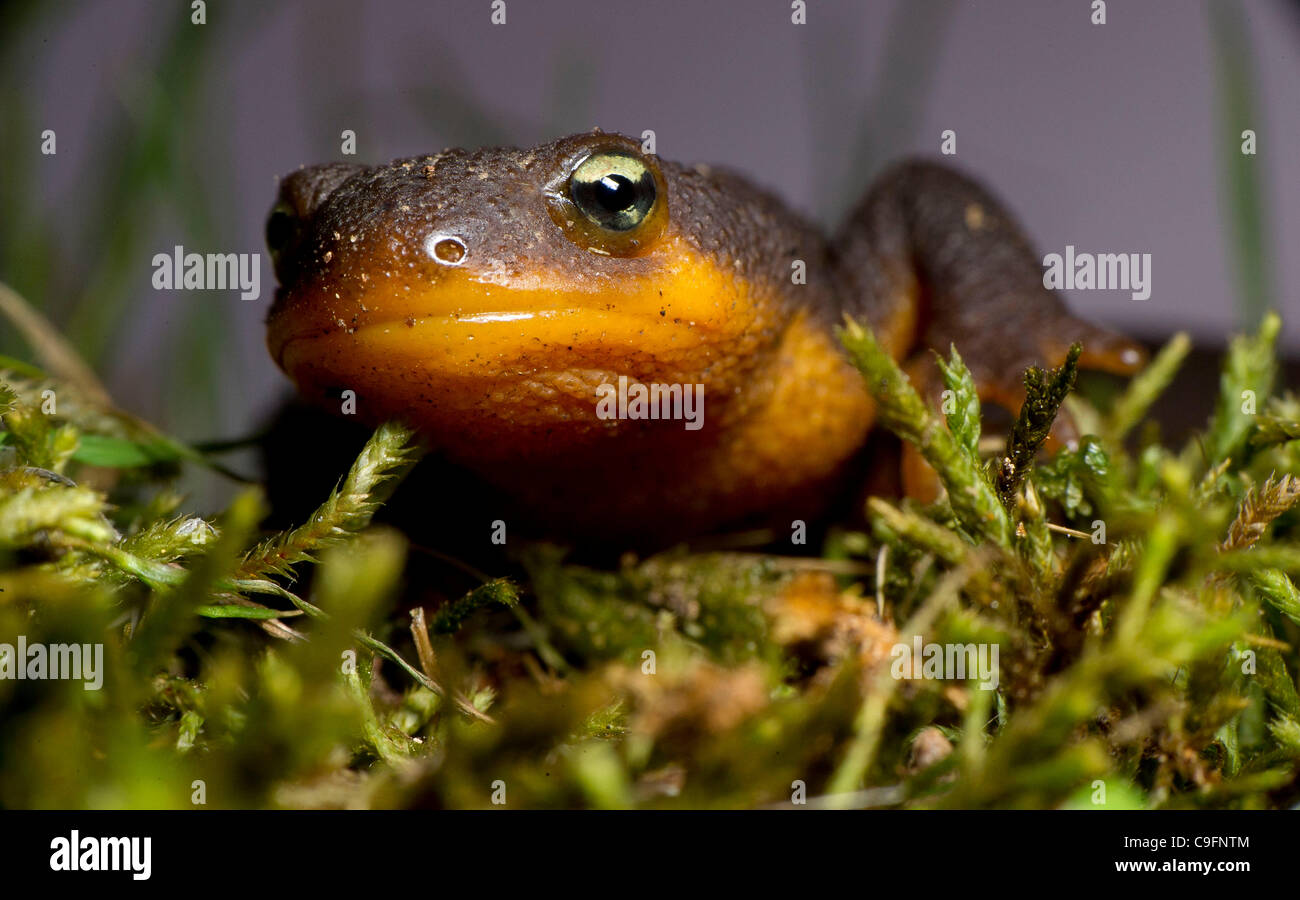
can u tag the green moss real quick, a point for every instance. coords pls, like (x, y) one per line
(1142, 605)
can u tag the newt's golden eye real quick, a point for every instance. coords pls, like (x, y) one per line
(613, 202)
(613, 190)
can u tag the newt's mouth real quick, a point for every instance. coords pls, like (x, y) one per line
(459, 326)
(493, 342)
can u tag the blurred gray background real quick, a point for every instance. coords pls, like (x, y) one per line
(1122, 137)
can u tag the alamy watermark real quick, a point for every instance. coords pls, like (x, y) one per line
(633, 400)
(103, 854)
(1098, 272)
(946, 662)
(181, 271)
(53, 662)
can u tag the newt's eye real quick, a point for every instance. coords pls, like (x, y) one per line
(281, 226)
(613, 190)
(612, 202)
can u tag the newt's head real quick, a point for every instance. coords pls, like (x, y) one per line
(483, 296)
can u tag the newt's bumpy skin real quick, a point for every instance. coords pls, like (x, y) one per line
(483, 296)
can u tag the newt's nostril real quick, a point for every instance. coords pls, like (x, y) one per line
(448, 250)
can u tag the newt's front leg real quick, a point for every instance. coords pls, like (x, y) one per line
(930, 259)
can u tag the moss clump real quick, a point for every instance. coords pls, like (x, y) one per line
(1140, 598)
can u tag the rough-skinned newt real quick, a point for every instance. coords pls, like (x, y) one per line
(486, 296)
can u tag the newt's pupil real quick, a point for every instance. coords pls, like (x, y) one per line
(616, 193)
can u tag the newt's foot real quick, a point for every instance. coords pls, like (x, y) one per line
(998, 370)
